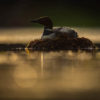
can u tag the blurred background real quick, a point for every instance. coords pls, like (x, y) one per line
(38, 75)
(78, 13)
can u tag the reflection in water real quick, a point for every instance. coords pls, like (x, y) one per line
(25, 76)
(48, 75)
(24, 35)
(42, 64)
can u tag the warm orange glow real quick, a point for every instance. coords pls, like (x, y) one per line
(25, 76)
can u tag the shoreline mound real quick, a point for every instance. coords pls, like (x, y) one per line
(62, 43)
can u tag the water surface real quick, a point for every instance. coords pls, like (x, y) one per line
(45, 75)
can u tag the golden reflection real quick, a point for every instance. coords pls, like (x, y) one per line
(42, 63)
(41, 74)
(27, 50)
(19, 35)
(78, 79)
(25, 76)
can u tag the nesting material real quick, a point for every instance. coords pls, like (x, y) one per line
(61, 43)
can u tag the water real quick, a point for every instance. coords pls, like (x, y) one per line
(24, 35)
(45, 75)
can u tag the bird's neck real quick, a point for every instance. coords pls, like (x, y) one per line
(47, 30)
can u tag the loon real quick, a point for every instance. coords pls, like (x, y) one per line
(52, 33)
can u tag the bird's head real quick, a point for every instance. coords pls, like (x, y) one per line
(46, 21)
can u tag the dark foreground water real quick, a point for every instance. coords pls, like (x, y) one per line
(48, 75)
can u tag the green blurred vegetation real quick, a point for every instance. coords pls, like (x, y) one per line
(64, 13)
(19, 13)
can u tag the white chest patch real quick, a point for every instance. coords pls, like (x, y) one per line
(51, 36)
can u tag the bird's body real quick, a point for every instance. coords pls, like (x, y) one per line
(51, 33)
(59, 31)
(58, 38)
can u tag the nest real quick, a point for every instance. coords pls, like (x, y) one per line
(62, 43)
